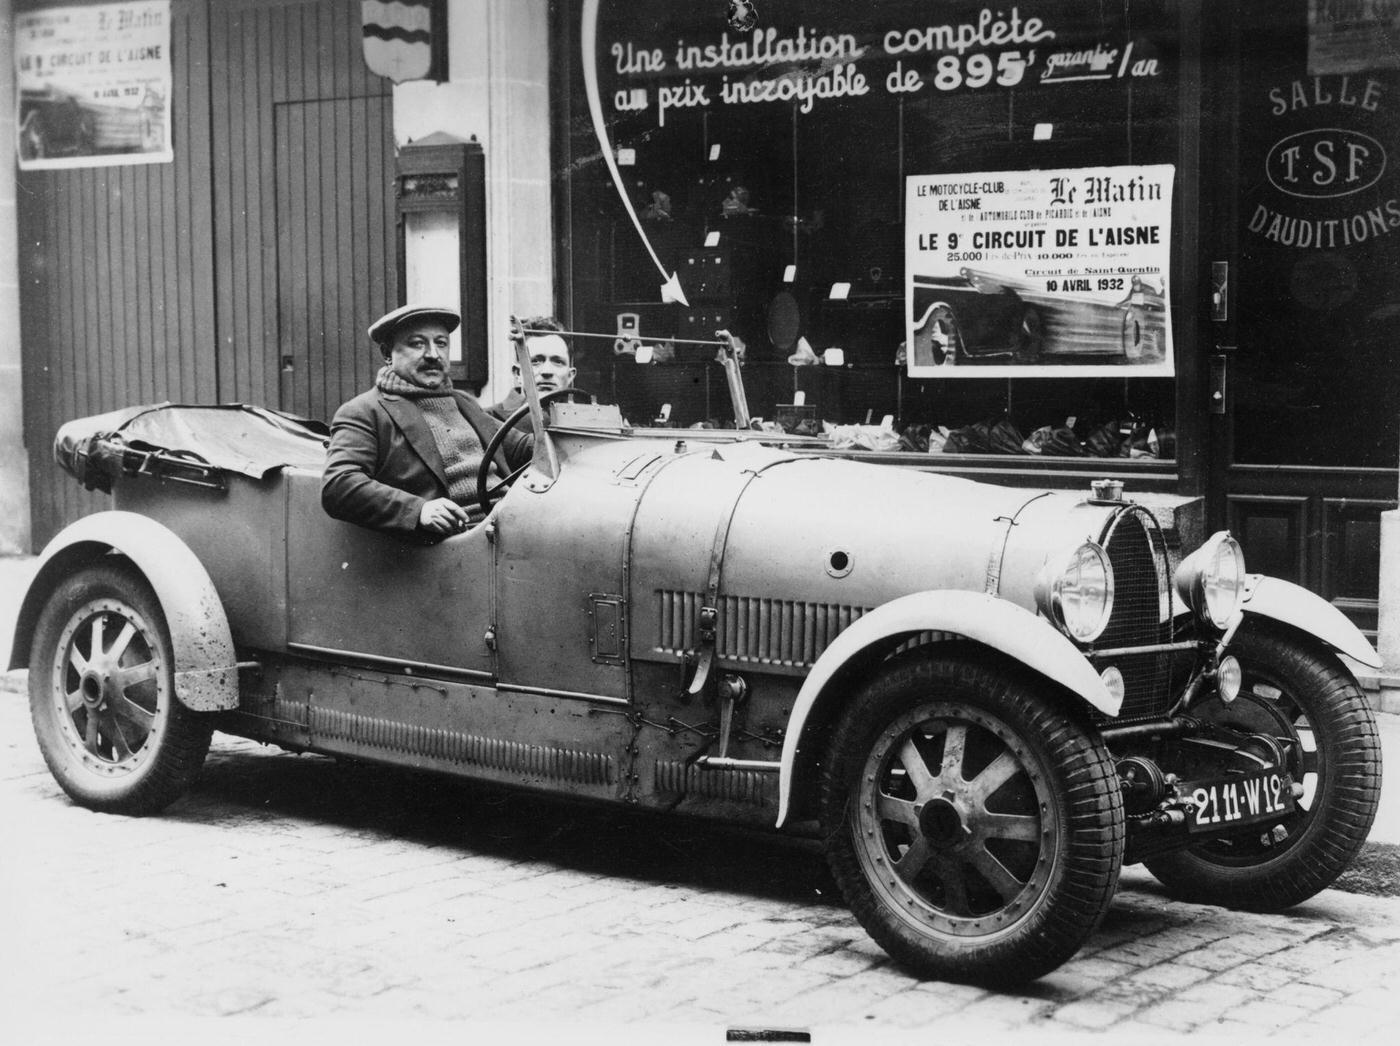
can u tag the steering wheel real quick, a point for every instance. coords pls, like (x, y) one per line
(485, 494)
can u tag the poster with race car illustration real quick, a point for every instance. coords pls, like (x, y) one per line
(94, 85)
(1057, 273)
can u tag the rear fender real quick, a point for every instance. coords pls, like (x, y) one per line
(206, 669)
(1294, 605)
(985, 619)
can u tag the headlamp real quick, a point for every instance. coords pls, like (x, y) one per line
(1211, 580)
(1229, 678)
(1079, 596)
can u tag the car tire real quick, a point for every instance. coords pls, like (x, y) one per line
(31, 139)
(1134, 336)
(1031, 336)
(1294, 689)
(1014, 871)
(102, 695)
(948, 348)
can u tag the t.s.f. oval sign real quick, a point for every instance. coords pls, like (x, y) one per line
(1325, 162)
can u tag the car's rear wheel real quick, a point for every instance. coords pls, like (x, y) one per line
(102, 695)
(1300, 695)
(975, 831)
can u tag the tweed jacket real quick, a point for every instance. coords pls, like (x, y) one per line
(383, 463)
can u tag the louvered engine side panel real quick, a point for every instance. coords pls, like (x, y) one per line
(754, 629)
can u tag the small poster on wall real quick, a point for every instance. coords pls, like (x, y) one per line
(1353, 36)
(93, 85)
(1059, 273)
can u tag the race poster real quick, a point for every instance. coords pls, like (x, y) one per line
(93, 85)
(1058, 273)
(1353, 36)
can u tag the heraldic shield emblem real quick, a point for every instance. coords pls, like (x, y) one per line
(406, 39)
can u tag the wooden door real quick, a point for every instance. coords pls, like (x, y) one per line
(304, 210)
(1309, 421)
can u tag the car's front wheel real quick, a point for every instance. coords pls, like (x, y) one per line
(1298, 693)
(102, 695)
(975, 830)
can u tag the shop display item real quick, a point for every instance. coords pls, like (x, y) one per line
(1057, 440)
(1104, 441)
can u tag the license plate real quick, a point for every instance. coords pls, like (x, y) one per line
(1240, 799)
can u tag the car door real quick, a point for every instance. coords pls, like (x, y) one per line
(359, 595)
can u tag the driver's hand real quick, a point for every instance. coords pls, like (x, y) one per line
(443, 516)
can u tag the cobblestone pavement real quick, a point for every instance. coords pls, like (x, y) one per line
(296, 887)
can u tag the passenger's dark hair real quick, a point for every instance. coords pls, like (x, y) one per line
(546, 325)
(542, 323)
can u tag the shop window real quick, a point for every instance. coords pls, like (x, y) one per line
(770, 171)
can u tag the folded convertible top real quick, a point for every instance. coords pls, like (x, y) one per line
(193, 444)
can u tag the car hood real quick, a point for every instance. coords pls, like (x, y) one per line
(779, 535)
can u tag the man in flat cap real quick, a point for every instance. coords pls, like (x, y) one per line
(404, 456)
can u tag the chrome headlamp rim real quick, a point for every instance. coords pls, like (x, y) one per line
(1199, 578)
(1061, 593)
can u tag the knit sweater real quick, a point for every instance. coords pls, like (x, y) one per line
(457, 442)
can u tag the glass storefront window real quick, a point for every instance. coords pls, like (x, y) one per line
(768, 169)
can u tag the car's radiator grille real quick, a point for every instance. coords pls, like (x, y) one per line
(754, 629)
(1141, 611)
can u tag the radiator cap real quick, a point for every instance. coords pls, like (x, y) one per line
(1106, 489)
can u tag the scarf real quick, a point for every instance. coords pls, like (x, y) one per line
(457, 442)
(387, 381)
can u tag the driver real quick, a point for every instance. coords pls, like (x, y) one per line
(550, 359)
(404, 456)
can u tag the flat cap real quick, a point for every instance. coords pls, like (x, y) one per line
(381, 331)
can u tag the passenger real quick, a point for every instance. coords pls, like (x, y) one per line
(404, 456)
(551, 360)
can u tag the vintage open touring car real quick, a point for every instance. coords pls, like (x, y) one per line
(982, 700)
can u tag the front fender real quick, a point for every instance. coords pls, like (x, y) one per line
(1294, 605)
(994, 622)
(205, 666)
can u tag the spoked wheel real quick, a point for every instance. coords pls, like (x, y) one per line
(975, 831)
(486, 494)
(1300, 695)
(102, 696)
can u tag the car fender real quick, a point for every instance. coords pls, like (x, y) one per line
(1294, 605)
(204, 662)
(996, 623)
